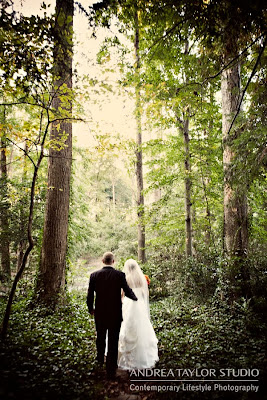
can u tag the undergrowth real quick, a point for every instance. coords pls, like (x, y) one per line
(49, 355)
(210, 336)
(52, 356)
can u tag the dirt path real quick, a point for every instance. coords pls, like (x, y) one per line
(81, 274)
(94, 263)
(119, 388)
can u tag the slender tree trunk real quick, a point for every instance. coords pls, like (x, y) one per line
(25, 256)
(235, 199)
(133, 197)
(208, 217)
(113, 192)
(4, 211)
(51, 279)
(206, 182)
(184, 129)
(23, 217)
(30, 239)
(187, 170)
(188, 185)
(139, 156)
(235, 193)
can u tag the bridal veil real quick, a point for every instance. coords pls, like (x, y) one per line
(137, 342)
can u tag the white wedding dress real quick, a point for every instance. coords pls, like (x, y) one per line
(137, 342)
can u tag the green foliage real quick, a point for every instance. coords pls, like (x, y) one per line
(175, 89)
(211, 335)
(257, 217)
(208, 275)
(22, 151)
(53, 352)
(100, 209)
(27, 101)
(256, 266)
(175, 85)
(26, 51)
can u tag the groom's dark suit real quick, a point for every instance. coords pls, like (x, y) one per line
(107, 284)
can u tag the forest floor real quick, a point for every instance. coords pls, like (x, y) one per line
(119, 388)
(51, 356)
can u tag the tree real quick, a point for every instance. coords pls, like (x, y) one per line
(228, 45)
(22, 242)
(139, 154)
(235, 198)
(41, 138)
(51, 277)
(25, 56)
(174, 97)
(4, 210)
(129, 18)
(184, 127)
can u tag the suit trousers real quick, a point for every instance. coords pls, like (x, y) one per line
(113, 329)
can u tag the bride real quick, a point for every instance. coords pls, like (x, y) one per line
(137, 342)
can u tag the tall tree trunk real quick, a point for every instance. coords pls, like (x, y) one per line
(4, 211)
(235, 194)
(113, 192)
(187, 169)
(23, 217)
(139, 155)
(235, 199)
(51, 279)
(208, 217)
(188, 184)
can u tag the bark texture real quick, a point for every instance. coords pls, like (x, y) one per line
(51, 279)
(187, 181)
(235, 200)
(4, 210)
(23, 220)
(188, 185)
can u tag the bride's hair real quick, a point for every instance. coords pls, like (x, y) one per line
(136, 280)
(134, 274)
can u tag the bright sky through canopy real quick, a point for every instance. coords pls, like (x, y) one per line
(108, 113)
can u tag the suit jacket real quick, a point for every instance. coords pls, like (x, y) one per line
(107, 284)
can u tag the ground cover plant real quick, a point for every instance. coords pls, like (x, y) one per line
(52, 354)
(209, 336)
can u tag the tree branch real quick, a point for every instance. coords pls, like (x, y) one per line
(234, 59)
(24, 151)
(67, 119)
(247, 84)
(30, 238)
(17, 103)
(224, 67)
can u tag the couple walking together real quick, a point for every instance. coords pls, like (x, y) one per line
(121, 314)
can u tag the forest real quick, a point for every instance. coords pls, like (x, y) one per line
(137, 127)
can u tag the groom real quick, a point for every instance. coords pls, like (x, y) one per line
(107, 284)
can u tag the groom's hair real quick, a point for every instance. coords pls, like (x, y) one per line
(108, 258)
